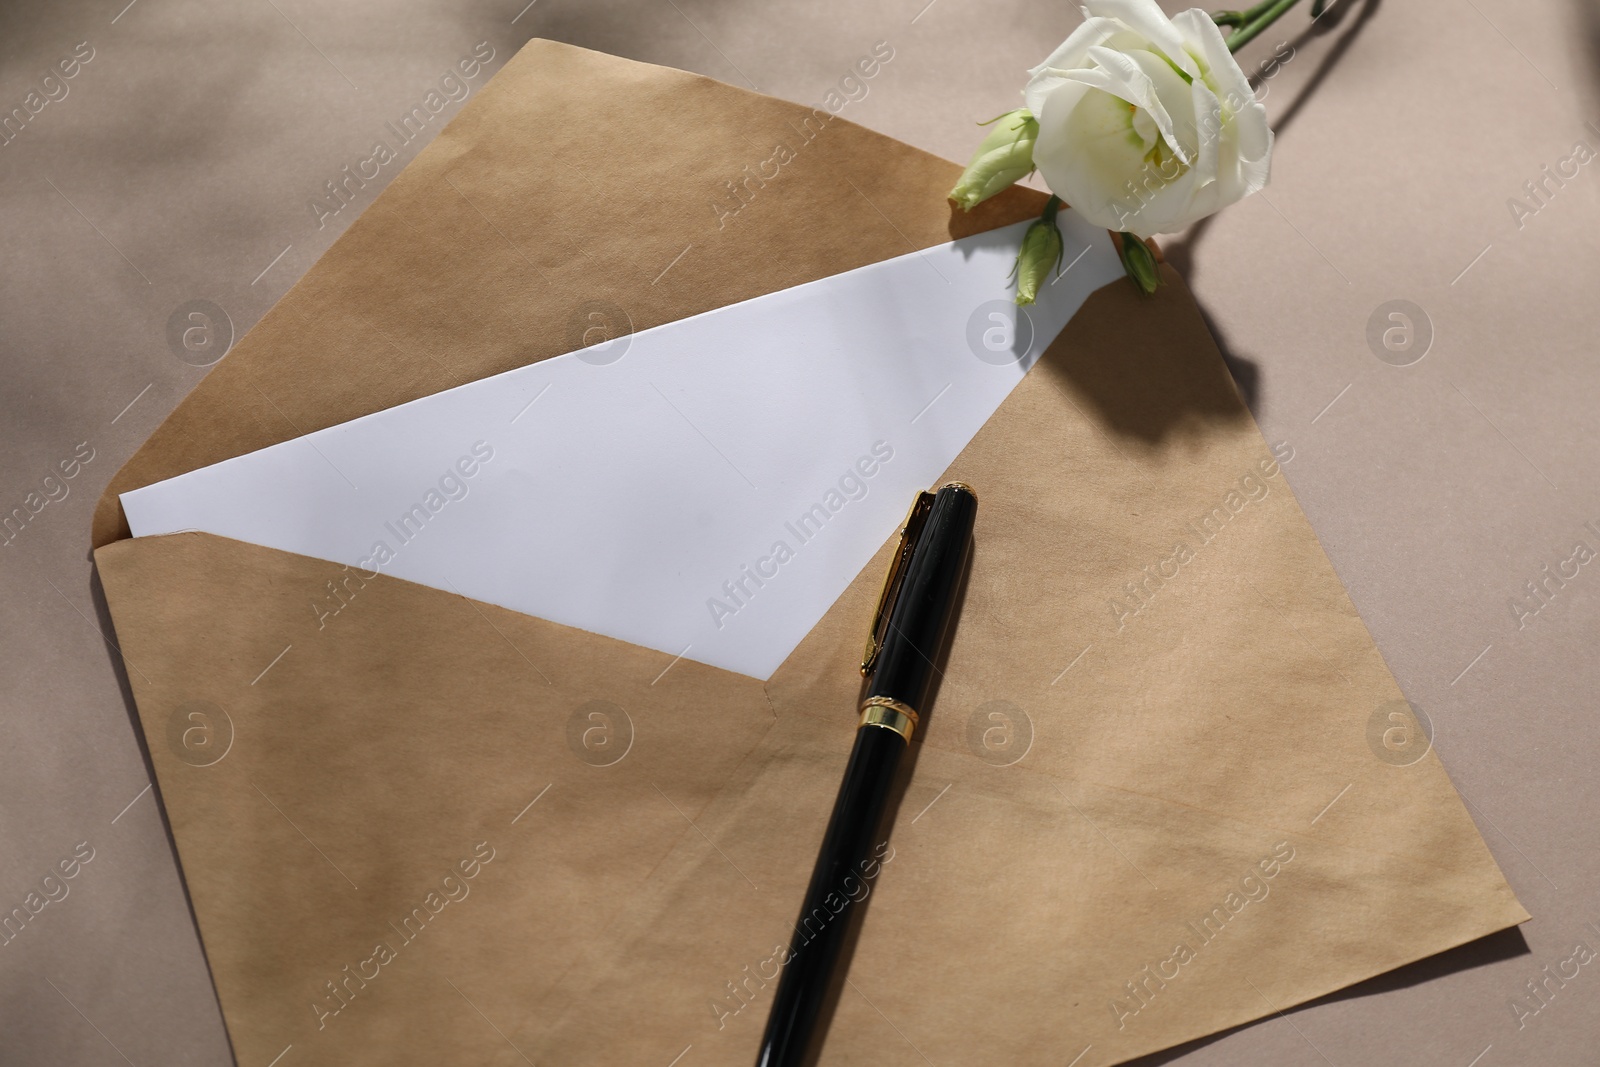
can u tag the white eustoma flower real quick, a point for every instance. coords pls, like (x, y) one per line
(1146, 123)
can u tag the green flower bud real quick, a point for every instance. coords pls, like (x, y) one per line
(1041, 253)
(1003, 158)
(1139, 262)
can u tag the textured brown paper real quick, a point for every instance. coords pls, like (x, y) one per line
(422, 829)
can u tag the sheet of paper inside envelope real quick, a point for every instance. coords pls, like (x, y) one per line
(706, 488)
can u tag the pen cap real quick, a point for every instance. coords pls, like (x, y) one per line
(903, 670)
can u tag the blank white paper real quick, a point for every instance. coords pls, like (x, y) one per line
(709, 494)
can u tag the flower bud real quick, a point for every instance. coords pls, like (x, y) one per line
(1139, 262)
(1041, 253)
(1003, 158)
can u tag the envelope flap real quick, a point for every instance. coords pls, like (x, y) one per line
(545, 212)
(345, 762)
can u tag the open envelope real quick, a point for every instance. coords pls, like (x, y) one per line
(1167, 786)
(710, 495)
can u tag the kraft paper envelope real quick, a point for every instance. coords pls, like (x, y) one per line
(1167, 785)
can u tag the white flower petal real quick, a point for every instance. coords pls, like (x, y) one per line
(1069, 55)
(1146, 18)
(1254, 135)
(1208, 135)
(1176, 102)
(1240, 173)
(1160, 207)
(1087, 151)
(1221, 70)
(1130, 82)
(1234, 118)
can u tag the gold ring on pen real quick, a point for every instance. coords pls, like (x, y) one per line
(891, 715)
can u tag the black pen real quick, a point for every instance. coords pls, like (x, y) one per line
(919, 597)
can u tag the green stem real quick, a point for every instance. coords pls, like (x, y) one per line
(1051, 206)
(1240, 18)
(1255, 20)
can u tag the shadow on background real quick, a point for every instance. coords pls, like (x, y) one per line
(1142, 364)
(1497, 947)
(1180, 253)
(1587, 32)
(1137, 360)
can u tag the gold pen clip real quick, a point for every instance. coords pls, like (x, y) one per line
(909, 532)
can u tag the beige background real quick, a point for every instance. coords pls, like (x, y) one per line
(179, 167)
